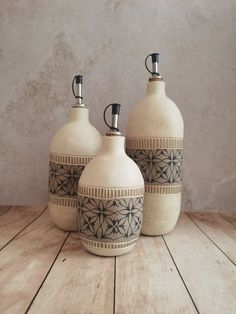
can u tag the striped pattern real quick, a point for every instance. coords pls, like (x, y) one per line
(107, 245)
(109, 193)
(63, 201)
(154, 143)
(158, 189)
(70, 160)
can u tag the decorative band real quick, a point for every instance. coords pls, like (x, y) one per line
(70, 160)
(158, 189)
(63, 201)
(154, 143)
(108, 245)
(109, 193)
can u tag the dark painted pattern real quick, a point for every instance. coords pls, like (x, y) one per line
(63, 179)
(159, 166)
(110, 220)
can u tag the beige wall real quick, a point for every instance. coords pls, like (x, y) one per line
(44, 43)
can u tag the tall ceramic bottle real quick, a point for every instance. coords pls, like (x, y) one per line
(155, 142)
(72, 147)
(110, 193)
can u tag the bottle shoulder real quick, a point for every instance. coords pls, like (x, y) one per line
(112, 170)
(156, 117)
(76, 138)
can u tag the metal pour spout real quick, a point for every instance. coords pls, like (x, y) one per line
(155, 64)
(77, 85)
(115, 117)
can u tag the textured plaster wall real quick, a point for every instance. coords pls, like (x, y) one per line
(44, 43)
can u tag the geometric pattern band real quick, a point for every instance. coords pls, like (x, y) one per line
(159, 166)
(63, 179)
(160, 161)
(106, 221)
(64, 175)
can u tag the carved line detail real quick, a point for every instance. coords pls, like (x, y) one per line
(107, 245)
(70, 160)
(163, 189)
(109, 193)
(152, 143)
(62, 201)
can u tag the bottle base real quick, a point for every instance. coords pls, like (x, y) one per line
(65, 218)
(156, 234)
(107, 249)
(161, 213)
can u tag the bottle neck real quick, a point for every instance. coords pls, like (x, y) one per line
(113, 145)
(156, 87)
(79, 115)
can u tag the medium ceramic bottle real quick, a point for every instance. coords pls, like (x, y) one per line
(72, 147)
(155, 142)
(110, 193)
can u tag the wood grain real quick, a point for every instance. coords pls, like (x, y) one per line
(231, 217)
(219, 230)
(25, 261)
(147, 281)
(3, 209)
(13, 220)
(78, 283)
(207, 272)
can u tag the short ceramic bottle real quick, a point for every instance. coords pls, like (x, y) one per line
(110, 193)
(72, 147)
(155, 142)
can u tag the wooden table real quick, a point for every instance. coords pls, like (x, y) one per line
(45, 270)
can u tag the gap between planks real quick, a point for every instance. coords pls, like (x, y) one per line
(115, 261)
(4, 209)
(176, 266)
(47, 273)
(21, 224)
(207, 272)
(230, 217)
(78, 282)
(147, 281)
(25, 261)
(216, 229)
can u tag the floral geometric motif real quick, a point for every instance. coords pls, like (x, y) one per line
(158, 166)
(63, 178)
(119, 219)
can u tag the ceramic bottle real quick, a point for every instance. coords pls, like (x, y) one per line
(72, 147)
(155, 142)
(110, 194)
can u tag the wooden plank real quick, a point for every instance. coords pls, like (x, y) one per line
(231, 217)
(208, 274)
(3, 209)
(219, 230)
(25, 262)
(15, 219)
(79, 282)
(147, 281)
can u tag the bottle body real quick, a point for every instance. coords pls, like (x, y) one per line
(72, 147)
(155, 143)
(110, 192)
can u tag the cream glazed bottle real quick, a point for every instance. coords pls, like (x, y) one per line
(155, 142)
(72, 147)
(110, 193)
